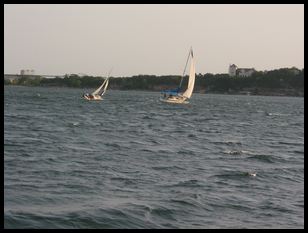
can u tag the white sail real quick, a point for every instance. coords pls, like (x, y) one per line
(105, 88)
(191, 80)
(96, 92)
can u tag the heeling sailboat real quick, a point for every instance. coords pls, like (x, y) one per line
(99, 92)
(174, 96)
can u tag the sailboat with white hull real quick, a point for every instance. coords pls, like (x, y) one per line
(175, 96)
(99, 92)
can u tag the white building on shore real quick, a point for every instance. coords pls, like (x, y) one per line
(242, 72)
(245, 72)
(232, 70)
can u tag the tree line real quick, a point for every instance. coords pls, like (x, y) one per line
(288, 81)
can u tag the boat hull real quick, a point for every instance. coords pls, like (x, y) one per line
(175, 100)
(94, 98)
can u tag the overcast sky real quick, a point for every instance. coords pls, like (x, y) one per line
(151, 39)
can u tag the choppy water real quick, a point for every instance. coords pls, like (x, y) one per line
(131, 161)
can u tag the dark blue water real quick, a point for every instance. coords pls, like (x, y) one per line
(131, 161)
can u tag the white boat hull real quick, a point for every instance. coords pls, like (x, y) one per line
(94, 98)
(175, 100)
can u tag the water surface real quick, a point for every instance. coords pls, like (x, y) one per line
(131, 161)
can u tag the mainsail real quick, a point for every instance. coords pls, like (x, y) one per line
(191, 80)
(100, 91)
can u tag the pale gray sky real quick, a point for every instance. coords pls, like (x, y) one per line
(151, 39)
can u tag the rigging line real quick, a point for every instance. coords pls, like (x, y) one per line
(190, 51)
(110, 72)
(105, 83)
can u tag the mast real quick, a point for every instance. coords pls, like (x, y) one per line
(190, 52)
(105, 88)
(107, 82)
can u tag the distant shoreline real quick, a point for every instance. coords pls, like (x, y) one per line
(281, 82)
(266, 92)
